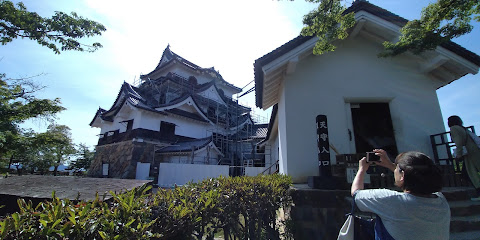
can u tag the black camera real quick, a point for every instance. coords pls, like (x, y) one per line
(371, 157)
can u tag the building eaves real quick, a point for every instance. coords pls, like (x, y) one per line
(400, 21)
(204, 86)
(97, 114)
(356, 7)
(259, 63)
(175, 101)
(128, 92)
(147, 108)
(271, 123)
(186, 114)
(131, 96)
(185, 146)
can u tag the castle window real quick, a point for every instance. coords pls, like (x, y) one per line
(167, 129)
(129, 124)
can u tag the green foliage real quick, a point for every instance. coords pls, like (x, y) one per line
(17, 104)
(56, 145)
(440, 22)
(328, 23)
(84, 159)
(59, 33)
(241, 207)
(129, 217)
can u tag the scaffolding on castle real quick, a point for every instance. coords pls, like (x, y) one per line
(236, 143)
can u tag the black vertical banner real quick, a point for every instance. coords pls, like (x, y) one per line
(323, 146)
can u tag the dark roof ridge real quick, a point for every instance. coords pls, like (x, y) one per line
(126, 90)
(97, 114)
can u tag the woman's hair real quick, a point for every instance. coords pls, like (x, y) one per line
(421, 175)
(455, 120)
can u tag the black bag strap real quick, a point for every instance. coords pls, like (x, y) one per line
(353, 203)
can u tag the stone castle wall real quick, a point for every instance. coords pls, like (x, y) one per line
(122, 158)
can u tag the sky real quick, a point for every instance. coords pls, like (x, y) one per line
(228, 35)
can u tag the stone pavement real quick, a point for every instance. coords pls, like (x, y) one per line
(65, 187)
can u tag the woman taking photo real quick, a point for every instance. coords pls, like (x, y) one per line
(420, 211)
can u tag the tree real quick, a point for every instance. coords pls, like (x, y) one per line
(85, 158)
(328, 23)
(59, 33)
(57, 145)
(440, 22)
(17, 104)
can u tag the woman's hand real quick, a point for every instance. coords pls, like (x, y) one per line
(357, 183)
(384, 159)
(363, 164)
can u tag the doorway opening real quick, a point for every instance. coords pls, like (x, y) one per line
(372, 127)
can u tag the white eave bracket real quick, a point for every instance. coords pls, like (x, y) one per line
(433, 64)
(358, 27)
(292, 65)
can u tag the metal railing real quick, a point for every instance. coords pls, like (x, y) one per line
(453, 169)
(277, 168)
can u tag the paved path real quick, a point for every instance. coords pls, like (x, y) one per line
(65, 187)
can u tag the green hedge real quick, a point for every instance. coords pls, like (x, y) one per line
(232, 208)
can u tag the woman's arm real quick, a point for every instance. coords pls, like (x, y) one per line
(359, 178)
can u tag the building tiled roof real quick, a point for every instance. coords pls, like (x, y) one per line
(186, 114)
(131, 96)
(261, 131)
(168, 56)
(97, 114)
(257, 132)
(356, 7)
(259, 63)
(270, 123)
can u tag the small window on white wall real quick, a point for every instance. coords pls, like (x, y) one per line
(167, 129)
(129, 124)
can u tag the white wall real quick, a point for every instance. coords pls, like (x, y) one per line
(125, 113)
(254, 171)
(200, 157)
(211, 93)
(228, 91)
(185, 127)
(190, 128)
(324, 84)
(180, 174)
(151, 121)
(142, 171)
